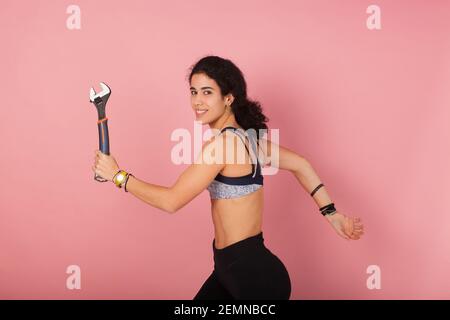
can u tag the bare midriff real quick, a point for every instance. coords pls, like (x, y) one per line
(238, 218)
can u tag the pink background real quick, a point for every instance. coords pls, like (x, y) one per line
(368, 108)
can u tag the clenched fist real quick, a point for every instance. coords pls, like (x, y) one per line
(105, 165)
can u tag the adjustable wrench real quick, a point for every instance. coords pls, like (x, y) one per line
(99, 100)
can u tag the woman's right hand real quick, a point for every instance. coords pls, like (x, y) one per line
(346, 227)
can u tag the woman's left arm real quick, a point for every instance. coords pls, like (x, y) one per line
(188, 185)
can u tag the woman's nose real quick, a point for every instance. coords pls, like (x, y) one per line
(197, 102)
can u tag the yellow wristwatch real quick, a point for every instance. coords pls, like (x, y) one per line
(120, 178)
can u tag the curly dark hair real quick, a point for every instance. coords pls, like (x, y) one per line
(248, 113)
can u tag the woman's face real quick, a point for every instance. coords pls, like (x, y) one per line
(206, 99)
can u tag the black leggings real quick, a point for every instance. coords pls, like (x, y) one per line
(246, 270)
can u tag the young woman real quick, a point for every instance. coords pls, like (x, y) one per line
(244, 268)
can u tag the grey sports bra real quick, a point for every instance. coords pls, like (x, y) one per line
(223, 187)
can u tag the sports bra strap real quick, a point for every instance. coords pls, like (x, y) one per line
(235, 130)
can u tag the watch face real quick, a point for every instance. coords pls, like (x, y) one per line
(120, 177)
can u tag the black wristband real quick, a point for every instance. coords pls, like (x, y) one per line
(317, 188)
(328, 209)
(128, 177)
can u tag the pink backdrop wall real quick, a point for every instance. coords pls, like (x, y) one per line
(368, 108)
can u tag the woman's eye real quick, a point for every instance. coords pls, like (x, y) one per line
(193, 92)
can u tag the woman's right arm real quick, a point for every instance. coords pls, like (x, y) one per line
(286, 159)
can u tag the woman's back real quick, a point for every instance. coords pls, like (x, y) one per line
(237, 192)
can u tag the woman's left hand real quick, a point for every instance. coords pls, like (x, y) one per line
(348, 228)
(105, 165)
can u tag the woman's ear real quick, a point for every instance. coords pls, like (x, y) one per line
(229, 99)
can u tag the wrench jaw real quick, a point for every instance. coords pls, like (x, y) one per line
(100, 99)
(91, 94)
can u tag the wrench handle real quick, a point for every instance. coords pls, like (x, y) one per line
(103, 139)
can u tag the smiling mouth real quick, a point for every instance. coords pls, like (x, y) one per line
(200, 112)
